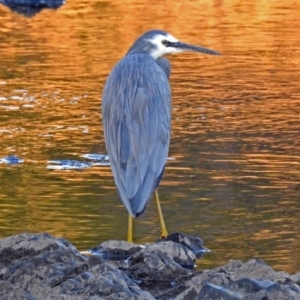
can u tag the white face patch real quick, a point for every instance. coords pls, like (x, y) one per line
(160, 49)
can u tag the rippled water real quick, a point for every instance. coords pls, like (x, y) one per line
(235, 177)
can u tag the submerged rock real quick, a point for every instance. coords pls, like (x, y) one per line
(11, 159)
(29, 8)
(39, 266)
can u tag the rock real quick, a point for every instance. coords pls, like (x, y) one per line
(280, 291)
(179, 253)
(250, 285)
(38, 266)
(210, 291)
(29, 8)
(195, 244)
(253, 280)
(116, 249)
(189, 289)
(33, 266)
(296, 278)
(254, 268)
(154, 269)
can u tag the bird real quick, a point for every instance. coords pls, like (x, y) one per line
(136, 117)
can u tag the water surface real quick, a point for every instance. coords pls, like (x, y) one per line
(235, 177)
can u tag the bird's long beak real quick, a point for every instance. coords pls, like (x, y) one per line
(181, 47)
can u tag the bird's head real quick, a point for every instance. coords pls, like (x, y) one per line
(158, 43)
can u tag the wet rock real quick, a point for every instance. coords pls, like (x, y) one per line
(115, 249)
(11, 159)
(191, 287)
(33, 266)
(210, 291)
(29, 8)
(38, 266)
(250, 285)
(253, 280)
(296, 278)
(195, 244)
(161, 262)
(154, 269)
(254, 268)
(179, 253)
(66, 164)
(19, 248)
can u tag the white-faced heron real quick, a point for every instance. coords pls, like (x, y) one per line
(136, 111)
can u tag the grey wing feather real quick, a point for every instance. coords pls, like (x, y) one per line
(136, 108)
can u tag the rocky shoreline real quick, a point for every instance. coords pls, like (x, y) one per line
(41, 267)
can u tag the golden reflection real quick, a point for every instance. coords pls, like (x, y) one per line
(235, 130)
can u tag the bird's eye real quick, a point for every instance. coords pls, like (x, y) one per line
(164, 42)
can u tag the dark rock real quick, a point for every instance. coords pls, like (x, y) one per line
(11, 159)
(179, 253)
(253, 280)
(38, 266)
(29, 8)
(18, 249)
(210, 291)
(194, 284)
(115, 250)
(155, 269)
(152, 264)
(33, 266)
(256, 269)
(280, 291)
(296, 278)
(250, 285)
(195, 244)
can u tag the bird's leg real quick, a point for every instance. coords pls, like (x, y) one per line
(164, 232)
(129, 233)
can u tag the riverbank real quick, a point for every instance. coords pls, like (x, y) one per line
(39, 266)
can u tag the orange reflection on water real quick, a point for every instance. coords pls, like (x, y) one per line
(235, 130)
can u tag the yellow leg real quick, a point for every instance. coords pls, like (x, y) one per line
(164, 232)
(129, 233)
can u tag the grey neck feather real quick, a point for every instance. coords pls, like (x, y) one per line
(145, 47)
(165, 65)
